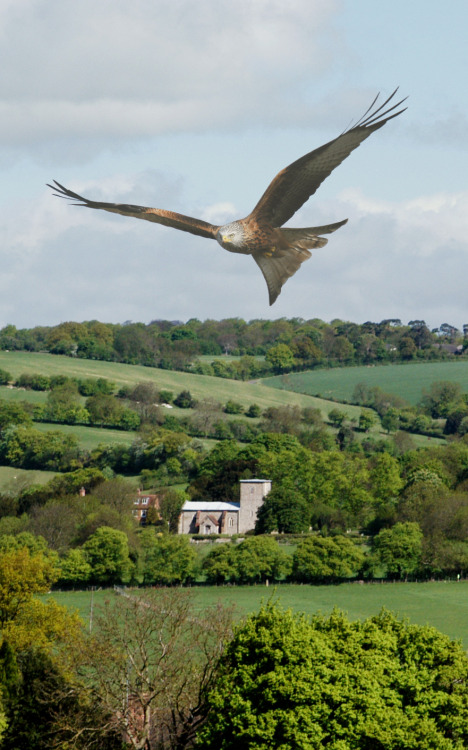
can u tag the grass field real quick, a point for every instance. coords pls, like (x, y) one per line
(20, 394)
(12, 478)
(407, 381)
(442, 605)
(200, 386)
(89, 437)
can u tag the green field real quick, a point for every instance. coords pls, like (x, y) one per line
(200, 386)
(407, 381)
(442, 605)
(20, 394)
(89, 437)
(12, 478)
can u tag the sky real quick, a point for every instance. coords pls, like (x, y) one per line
(194, 106)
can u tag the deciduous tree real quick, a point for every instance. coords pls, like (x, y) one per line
(318, 559)
(106, 551)
(298, 684)
(399, 548)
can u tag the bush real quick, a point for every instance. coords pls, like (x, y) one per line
(33, 382)
(253, 411)
(232, 407)
(184, 400)
(5, 377)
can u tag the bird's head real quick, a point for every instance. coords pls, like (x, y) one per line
(231, 236)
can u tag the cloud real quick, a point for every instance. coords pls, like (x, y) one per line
(115, 70)
(220, 95)
(393, 259)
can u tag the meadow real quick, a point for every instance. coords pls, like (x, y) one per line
(444, 605)
(89, 437)
(407, 381)
(200, 386)
(12, 478)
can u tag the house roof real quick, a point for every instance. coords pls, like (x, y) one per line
(204, 505)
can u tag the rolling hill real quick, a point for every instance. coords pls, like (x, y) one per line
(407, 381)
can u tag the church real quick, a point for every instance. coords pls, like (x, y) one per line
(204, 517)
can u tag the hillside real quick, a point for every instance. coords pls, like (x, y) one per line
(200, 386)
(407, 381)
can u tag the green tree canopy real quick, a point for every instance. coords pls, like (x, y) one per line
(399, 549)
(106, 551)
(318, 559)
(285, 510)
(254, 560)
(280, 358)
(298, 684)
(22, 575)
(165, 559)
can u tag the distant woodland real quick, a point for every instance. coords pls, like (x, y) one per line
(283, 345)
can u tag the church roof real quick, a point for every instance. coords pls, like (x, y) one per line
(196, 505)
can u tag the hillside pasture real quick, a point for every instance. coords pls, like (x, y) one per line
(89, 437)
(13, 479)
(200, 386)
(444, 605)
(272, 392)
(407, 381)
(22, 394)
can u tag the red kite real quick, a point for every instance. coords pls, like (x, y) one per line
(277, 250)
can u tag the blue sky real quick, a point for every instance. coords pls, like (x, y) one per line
(195, 106)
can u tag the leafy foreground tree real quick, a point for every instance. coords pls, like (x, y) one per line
(34, 634)
(293, 683)
(148, 666)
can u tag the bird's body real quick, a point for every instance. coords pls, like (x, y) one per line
(277, 250)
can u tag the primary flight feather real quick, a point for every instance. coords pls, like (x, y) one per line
(277, 250)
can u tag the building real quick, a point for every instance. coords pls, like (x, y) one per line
(204, 517)
(142, 504)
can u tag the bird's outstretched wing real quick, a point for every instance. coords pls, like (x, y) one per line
(158, 215)
(294, 185)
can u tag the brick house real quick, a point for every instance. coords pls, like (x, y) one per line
(142, 503)
(204, 517)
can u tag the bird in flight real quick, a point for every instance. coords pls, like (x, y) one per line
(277, 250)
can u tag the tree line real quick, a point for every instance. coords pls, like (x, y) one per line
(111, 556)
(262, 346)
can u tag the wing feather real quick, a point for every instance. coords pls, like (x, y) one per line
(294, 185)
(158, 215)
(313, 233)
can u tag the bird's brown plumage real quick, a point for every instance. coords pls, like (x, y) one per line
(277, 250)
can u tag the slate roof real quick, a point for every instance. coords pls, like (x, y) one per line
(195, 505)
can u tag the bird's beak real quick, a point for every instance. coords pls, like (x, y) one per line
(225, 238)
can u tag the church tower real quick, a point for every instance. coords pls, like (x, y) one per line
(252, 494)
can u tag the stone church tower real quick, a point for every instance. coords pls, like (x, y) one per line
(252, 495)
